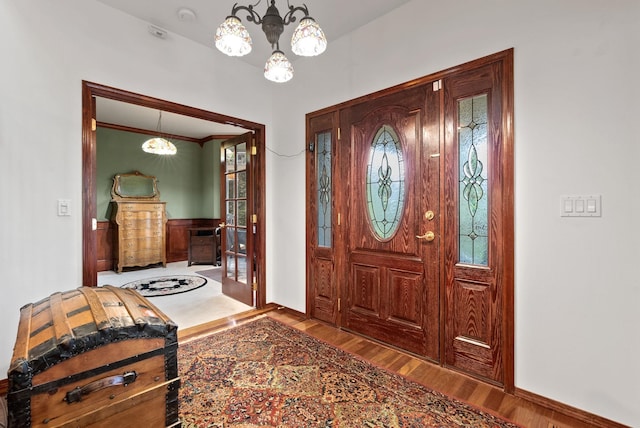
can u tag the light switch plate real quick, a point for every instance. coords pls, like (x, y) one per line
(581, 206)
(64, 207)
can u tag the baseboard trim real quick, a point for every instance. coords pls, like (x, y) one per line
(582, 415)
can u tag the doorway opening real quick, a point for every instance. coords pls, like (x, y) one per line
(91, 91)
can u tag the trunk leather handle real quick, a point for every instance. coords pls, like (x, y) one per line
(78, 392)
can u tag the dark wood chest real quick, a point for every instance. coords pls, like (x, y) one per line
(203, 245)
(94, 357)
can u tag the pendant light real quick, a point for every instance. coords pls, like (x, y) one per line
(159, 145)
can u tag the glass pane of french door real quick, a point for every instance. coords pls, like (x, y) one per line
(236, 212)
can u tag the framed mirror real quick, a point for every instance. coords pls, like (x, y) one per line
(134, 185)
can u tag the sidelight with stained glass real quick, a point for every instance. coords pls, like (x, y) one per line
(473, 203)
(323, 184)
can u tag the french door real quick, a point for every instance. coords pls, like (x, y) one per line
(410, 217)
(237, 230)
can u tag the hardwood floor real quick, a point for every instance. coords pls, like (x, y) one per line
(524, 408)
(518, 409)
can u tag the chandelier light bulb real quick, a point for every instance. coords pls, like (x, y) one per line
(278, 68)
(308, 39)
(232, 38)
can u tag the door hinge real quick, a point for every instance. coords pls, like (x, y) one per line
(254, 286)
(254, 150)
(339, 134)
(339, 304)
(94, 125)
(339, 219)
(254, 218)
(437, 85)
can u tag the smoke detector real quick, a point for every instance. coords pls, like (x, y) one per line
(186, 15)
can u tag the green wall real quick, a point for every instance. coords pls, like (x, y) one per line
(189, 181)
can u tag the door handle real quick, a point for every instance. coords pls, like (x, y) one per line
(428, 236)
(222, 225)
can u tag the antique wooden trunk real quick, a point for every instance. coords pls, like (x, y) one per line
(94, 357)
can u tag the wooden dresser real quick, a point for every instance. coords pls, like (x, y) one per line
(140, 222)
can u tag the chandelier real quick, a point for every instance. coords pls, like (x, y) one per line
(233, 39)
(159, 145)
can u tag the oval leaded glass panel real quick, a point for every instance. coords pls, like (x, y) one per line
(385, 183)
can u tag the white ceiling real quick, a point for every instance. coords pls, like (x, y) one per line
(336, 17)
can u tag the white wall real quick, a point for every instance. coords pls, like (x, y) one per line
(576, 70)
(47, 49)
(577, 65)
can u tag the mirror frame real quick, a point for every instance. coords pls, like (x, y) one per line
(125, 187)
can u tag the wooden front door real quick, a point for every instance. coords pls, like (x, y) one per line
(237, 246)
(390, 269)
(410, 217)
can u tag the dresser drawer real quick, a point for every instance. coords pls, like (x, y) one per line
(143, 225)
(142, 215)
(142, 233)
(202, 240)
(141, 243)
(141, 257)
(138, 206)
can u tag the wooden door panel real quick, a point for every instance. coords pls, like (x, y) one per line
(405, 300)
(364, 292)
(389, 295)
(387, 305)
(323, 289)
(471, 313)
(474, 324)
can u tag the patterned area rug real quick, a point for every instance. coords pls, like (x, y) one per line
(265, 373)
(166, 285)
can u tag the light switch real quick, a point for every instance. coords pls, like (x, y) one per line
(568, 205)
(64, 207)
(579, 205)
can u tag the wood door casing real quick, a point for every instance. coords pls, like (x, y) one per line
(90, 90)
(391, 286)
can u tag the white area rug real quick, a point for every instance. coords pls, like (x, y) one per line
(166, 285)
(196, 307)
